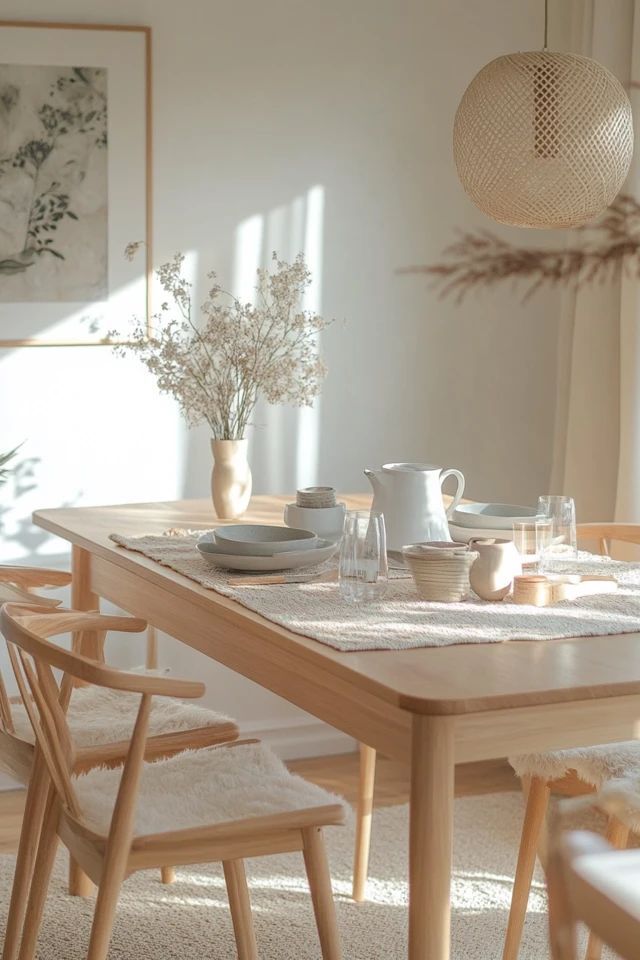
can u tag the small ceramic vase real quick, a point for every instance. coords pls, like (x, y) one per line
(491, 576)
(230, 478)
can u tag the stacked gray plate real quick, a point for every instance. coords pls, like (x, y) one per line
(257, 546)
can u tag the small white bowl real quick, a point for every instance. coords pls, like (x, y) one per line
(325, 521)
(262, 539)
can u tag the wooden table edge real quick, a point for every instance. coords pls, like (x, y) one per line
(313, 649)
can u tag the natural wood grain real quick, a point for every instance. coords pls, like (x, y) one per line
(491, 698)
(34, 812)
(336, 773)
(537, 802)
(364, 810)
(317, 867)
(455, 679)
(240, 906)
(431, 837)
(585, 887)
(107, 858)
(539, 789)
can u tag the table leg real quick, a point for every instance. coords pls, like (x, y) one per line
(431, 837)
(82, 598)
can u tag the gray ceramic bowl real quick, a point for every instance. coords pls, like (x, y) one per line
(263, 540)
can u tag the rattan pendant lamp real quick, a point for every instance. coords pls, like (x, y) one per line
(543, 139)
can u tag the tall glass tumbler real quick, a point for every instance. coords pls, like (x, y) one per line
(532, 539)
(562, 510)
(363, 570)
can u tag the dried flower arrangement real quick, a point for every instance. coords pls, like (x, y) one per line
(217, 370)
(482, 259)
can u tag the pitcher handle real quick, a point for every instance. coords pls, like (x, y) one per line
(457, 497)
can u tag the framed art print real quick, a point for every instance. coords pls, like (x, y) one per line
(75, 181)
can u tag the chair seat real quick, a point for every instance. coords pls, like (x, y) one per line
(201, 788)
(99, 716)
(593, 765)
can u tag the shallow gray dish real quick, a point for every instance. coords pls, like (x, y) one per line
(492, 516)
(262, 539)
(214, 554)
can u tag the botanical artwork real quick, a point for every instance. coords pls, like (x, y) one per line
(53, 183)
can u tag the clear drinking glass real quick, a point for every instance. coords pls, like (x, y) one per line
(562, 510)
(532, 539)
(363, 570)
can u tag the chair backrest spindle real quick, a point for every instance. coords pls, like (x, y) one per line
(34, 658)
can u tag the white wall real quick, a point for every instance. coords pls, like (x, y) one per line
(318, 126)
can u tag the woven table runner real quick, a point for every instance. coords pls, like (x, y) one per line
(400, 620)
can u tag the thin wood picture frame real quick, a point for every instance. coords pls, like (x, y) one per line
(141, 284)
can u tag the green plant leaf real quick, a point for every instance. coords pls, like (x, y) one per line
(5, 458)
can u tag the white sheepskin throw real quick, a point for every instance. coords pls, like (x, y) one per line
(622, 798)
(201, 787)
(97, 716)
(593, 765)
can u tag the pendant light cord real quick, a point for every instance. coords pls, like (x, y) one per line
(546, 26)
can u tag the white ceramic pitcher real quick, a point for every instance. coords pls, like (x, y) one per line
(410, 497)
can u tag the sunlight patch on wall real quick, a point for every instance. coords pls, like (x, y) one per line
(284, 446)
(309, 417)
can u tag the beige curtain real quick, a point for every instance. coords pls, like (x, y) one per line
(597, 437)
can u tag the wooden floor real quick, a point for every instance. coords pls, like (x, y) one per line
(338, 774)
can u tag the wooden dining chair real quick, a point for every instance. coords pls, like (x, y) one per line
(569, 772)
(594, 884)
(101, 722)
(589, 882)
(221, 803)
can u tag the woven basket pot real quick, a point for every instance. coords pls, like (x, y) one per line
(445, 580)
(543, 139)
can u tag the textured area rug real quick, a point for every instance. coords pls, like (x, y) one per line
(190, 919)
(400, 620)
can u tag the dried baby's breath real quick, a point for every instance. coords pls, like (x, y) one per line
(217, 370)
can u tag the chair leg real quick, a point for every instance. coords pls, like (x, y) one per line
(537, 803)
(34, 812)
(364, 813)
(79, 883)
(41, 875)
(168, 874)
(240, 905)
(618, 836)
(317, 867)
(105, 912)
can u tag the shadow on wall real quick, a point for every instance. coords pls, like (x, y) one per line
(18, 535)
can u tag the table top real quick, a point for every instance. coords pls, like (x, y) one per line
(458, 679)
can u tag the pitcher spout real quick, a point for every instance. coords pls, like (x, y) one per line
(374, 477)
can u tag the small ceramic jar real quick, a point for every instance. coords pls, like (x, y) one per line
(491, 576)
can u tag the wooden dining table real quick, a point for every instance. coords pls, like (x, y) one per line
(431, 707)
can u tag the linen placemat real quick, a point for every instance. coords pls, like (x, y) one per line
(400, 620)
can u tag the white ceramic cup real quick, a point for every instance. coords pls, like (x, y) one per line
(327, 522)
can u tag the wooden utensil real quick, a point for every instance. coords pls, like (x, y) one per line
(541, 591)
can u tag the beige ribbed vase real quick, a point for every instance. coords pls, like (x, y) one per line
(230, 478)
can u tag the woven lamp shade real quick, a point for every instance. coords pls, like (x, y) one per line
(543, 139)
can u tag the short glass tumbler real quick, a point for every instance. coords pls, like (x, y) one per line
(363, 570)
(532, 539)
(562, 510)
